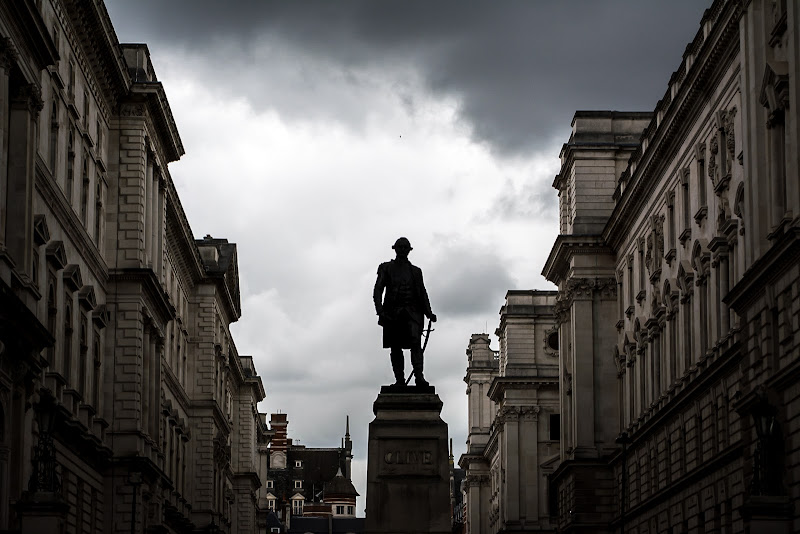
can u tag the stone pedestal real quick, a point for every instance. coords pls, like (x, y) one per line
(41, 512)
(408, 472)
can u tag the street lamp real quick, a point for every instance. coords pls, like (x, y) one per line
(44, 477)
(767, 457)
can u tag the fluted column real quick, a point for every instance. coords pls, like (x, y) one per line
(8, 56)
(24, 112)
(148, 210)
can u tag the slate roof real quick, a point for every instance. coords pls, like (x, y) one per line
(340, 487)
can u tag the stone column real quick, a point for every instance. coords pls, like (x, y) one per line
(145, 383)
(724, 311)
(8, 56)
(148, 210)
(157, 344)
(509, 418)
(25, 106)
(161, 227)
(583, 373)
(529, 451)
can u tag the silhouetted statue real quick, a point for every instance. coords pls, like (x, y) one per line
(400, 311)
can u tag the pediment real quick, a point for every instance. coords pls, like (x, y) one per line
(101, 316)
(41, 233)
(298, 496)
(86, 298)
(56, 255)
(72, 277)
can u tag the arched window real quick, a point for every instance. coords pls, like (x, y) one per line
(52, 318)
(69, 184)
(96, 372)
(67, 337)
(53, 152)
(85, 188)
(686, 283)
(700, 262)
(83, 375)
(98, 212)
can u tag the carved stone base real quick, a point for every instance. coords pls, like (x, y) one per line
(41, 512)
(408, 473)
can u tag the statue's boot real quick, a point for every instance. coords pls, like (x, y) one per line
(420, 380)
(416, 363)
(397, 367)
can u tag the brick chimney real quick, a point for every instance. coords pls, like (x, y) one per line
(278, 422)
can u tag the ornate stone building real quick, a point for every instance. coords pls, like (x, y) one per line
(309, 487)
(678, 267)
(514, 419)
(122, 395)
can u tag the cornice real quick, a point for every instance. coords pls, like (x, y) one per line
(568, 245)
(662, 138)
(181, 241)
(34, 34)
(501, 383)
(67, 219)
(175, 386)
(154, 96)
(91, 36)
(784, 254)
(150, 288)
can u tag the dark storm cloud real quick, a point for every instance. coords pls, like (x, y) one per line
(518, 69)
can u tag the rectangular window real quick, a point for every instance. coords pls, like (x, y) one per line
(298, 484)
(71, 87)
(298, 463)
(339, 509)
(351, 510)
(270, 484)
(687, 214)
(297, 507)
(271, 504)
(86, 110)
(555, 427)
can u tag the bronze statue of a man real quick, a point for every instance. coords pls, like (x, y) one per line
(401, 310)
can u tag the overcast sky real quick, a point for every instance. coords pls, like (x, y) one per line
(318, 132)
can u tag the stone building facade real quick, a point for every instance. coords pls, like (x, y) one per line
(122, 395)
(514, 419)
(308, 482)
(678, 274)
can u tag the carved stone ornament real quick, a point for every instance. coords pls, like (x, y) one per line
(28, 96)
(131, 110)
(8, 54)
(507, 413)
(655, 244)
(584, 288)
(530, 413)
(713, 151)
(730, 139)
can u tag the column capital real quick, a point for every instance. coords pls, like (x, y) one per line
(8, 53)
(28, 96)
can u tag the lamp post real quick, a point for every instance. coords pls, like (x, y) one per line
(44, 477)
(623, 439)
(42, 508)
(766, 471)
(135, 480)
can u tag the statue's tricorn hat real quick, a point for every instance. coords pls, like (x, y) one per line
(402, 241)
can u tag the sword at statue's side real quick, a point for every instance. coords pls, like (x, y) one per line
(427, 336)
